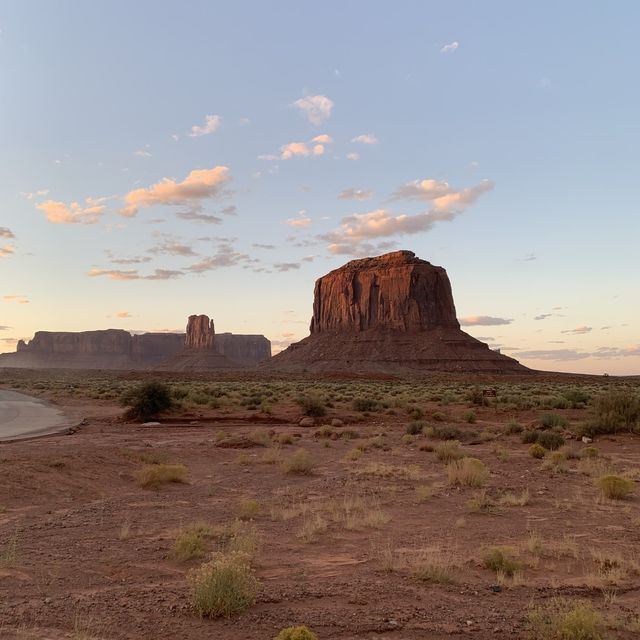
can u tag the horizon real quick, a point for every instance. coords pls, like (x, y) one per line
(194, 165)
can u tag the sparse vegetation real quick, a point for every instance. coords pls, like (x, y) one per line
(190, 543)
(615, 487)
(501, 560)
(296, 633)
(537, 451)
(153, 476)
(469, 472)
(300, 462)
(562, 619)
(147, 401)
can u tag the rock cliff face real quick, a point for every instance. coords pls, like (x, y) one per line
(201, 333)
(118, 349)
(392, 313)
(396, 291)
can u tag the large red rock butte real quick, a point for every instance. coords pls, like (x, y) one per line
(394, 312)
(201, 333)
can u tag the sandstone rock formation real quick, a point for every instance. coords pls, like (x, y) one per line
(118, 349)
(394, 312)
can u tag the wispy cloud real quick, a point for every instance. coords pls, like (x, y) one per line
(365, 138)
(142, 153)
(199, 185)
(123, 314)
(568, 355)
(286, 266)
(134, 274)
(303, 220)
(323, 138)
(579, 330)
(5, 232)
(58, 212)
(225, 256)
(450, 48)
(18, 299)
(355, 194)
(269, 247)
(196, 216)
(211, 124)
(317, 108)
(353, 156)
(173, 248)
(7, 250)
(30, 195)
(483, 321)
(543, 316)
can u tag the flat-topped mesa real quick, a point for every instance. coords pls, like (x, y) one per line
(201, 334)
(395, 291)
(392, 313)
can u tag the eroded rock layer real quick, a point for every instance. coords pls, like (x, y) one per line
(392, 313)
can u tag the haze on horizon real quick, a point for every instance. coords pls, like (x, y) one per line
(161, 159)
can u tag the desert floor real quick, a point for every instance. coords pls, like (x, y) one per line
(368, 536)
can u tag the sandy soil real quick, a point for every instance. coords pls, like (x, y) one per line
(85, 551)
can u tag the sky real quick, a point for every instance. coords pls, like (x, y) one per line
(163, 158)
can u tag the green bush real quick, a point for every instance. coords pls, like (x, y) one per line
(551, 420)
(615, 487)
(415, 428)
(550, 440)
(366, 404)
(537, 451)
(563, 619)
(296, 633)
(470, 416)
(225, 586)
(312, 406)
(615, 411)
(147, 401)
(500, 560)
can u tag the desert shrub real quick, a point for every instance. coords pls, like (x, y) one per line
(444, 433)
(448, 451)
(500, 560)
(438, 416)
(299, 462)
(224, 586)
(529, 437)
(415, 428)
(550, 440)
(470, 417)
(615, 411)
(416, 413)
(147, 401)
(247, 509)
(190, 543)
(296, 633)
(589, 452)
(152, 476)
(312, 405)
(563, 619)
(366, 404)
(514, 427)
(615, 487)
(469, 472)
(551, 420)
(577, 398)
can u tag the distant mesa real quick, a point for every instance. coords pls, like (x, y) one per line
(394, 312)
(198, 349)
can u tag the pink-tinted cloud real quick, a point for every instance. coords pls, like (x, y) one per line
(58, 212)
(483, 321)
(211, 124)
(317, 108)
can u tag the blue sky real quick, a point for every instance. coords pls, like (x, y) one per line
(496, 139)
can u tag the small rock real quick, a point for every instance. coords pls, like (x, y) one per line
(587, 440)
(496, 588)
(149, 424)
(336, 422)
(307, 422)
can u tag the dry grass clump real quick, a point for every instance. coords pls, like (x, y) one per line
(501, 560)
(313, 525)
(224, 586)
(433, 566)
(537, 451)
(247, 509)
(9, 552)
(611, 567)
(615, 487)
(190, 543)
(296, 633)
(448, 451)
(510, 499)
(468, 472)
(152, 476)
(384, 470)
(300, 462)
(481, 502)
(423, 492)
(354, 512)
(563, 619)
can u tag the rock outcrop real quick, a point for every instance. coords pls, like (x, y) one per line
(391, 313)
(118, 349)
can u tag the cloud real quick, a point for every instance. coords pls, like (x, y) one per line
(173, 248)
(19, 299)
(355, 194)
(134, 260)
(530, 257)
(318, 149)
(286, 266)
(543, 316)
(196, 216)
(263, 246)
(485, 338)
(301, 221)
(58, 212)
(199, 185)
(441, 194)
(7, 250)
(317, 109)
(225, 256)
(566, 355)
(483, 321)
(450, 48)
(231, 210)
(142, 153)
(4, 328)
(578, 330)
(5, 232)
(30, 195)
(323, 138)
(353, 156)
(363, 227)
(288, 151)
(133, 274)
(365, 138)
(267, 156)
(123, 314)
(211, 124)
